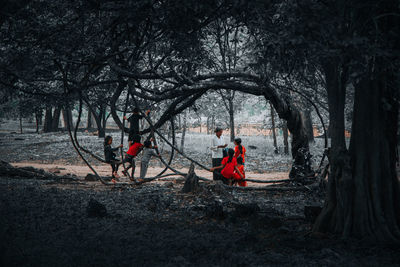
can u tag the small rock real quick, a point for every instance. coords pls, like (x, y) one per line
(96, 209)
(90, 177)
(252, 147)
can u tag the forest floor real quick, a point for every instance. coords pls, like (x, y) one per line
(52, 222)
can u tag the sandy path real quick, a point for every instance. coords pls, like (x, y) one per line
(105, 170)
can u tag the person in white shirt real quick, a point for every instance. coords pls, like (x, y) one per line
(217, 146)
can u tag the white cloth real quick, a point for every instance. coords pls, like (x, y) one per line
(215, 151)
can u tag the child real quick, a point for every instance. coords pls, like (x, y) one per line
(240, 151)
(240, 181)
(148, 152)
(228, 166)
(132, 152)
(110, 156)
(134, 123)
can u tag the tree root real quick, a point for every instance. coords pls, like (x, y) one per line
(8, 170)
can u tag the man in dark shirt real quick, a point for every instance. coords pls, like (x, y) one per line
(134, 123)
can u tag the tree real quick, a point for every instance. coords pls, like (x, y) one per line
(357, 195)
(160, 53)
(273, 129)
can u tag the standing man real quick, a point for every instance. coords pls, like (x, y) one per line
(134, 123)
(217, 146)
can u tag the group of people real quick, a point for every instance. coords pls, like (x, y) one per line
(135, 147)
(227, 164)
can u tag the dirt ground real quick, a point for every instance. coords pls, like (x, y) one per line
(50, 222)
(105, 170)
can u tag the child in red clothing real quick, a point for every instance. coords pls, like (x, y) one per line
(228, 166)
(132, 152)
(240, 151)
(237, 178)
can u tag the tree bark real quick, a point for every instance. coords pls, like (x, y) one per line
(37, 122)
(56, 119)
(291, 114)
(183, 131)
(48, 118)
(376, 196)
(89, 124)
(40, 118)
(180, 121)
(98, 119)
(66, 116)
(103, 122)
(200, 123)
(113, 101)
(231, 118)
(208, 125)
(308, 124)
(285, 138)
(20, 122)
(273, 129)
(192, 181)
(337, 205)
(363, 198)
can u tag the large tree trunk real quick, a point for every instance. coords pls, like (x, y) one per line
(336, 205)
(273, 129)
(56, 119)
(376, 196)
(301, 167)
(364, 192)
(66, 116)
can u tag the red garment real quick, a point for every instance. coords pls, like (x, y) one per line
(229, 168)
(134, 149)
(237, 152)
(237, 176)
